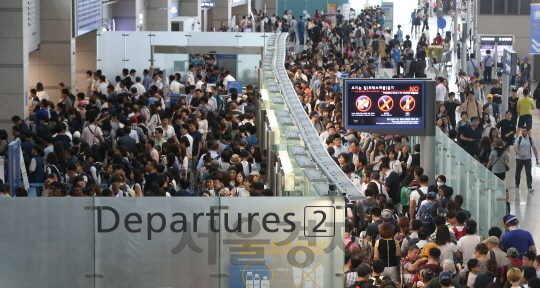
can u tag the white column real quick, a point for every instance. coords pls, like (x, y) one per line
(158, 15)
(13, 62)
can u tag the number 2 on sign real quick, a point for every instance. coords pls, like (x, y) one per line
(315, 229)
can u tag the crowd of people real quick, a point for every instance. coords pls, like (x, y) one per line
(121, 140)
(408, 233)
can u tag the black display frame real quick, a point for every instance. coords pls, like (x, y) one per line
(428, 96)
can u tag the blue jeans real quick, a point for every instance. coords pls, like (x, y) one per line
(301, 38)
(293, 36)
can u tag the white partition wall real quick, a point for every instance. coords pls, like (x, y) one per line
(132, 49)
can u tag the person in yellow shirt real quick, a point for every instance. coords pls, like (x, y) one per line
(4, 190)
(524, 107)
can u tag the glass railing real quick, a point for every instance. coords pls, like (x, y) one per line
(484, 194)
(304, 168)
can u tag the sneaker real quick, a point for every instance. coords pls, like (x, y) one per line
(531, 190)
(538, 165)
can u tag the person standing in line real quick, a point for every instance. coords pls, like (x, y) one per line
(488, 67)
(440, 94)
(525, 69)
(471, 136)
(301, 28)
(523, 147)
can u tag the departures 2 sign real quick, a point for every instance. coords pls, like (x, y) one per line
(384, 104)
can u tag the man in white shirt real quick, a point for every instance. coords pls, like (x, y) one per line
(199, 82)
(139, 86)
(440, 93)
(157, 82)
(338, 146)
(102, 87)
(415, 196)
(228, 78)
(190, 76)
(92, 134)
(324, 135)
(176, 86)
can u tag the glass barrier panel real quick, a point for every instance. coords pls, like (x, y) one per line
(138, 51)
(48, 242)
(157, 242)
(293, 243)
(111, 52)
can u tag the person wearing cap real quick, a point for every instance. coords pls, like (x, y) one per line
(379, 216)
(495, 251)
(494, 109)
(525, 69)
(444, 280)
(427, 210)
(528, 259)
(520, 239)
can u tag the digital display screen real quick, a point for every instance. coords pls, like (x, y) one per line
(87, 16)
(384, 104)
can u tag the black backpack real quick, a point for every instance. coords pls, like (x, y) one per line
(441, 206)
(411, 241)
(421, 199)
(107, 136)
(90, 179)
(375, 45)
(285, 27)
(367, 215)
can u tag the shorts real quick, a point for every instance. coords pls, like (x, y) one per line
(525, 121)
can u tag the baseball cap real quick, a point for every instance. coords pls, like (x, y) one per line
(491, 239)
(514, 90)
(431, 195)
(472, 77)
(512, 252)
(449, 266)
(386, 215)
(133, 119)
(489, 96)
(81, 103)
(445, 278)
(243, 142)
(254, 173)
(511, 220)
(526, 58)
(77, 134)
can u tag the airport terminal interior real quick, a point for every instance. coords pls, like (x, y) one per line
(394, 143)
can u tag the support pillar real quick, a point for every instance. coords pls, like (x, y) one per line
(427, 158)
(13, 62)
(54, 61)
(158, 15)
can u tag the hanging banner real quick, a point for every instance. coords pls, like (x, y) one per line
(535, 29)
(332, 13)
(14, 160)
(24, 176)
(388, 8)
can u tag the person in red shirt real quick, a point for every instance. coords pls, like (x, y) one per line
(432, 261)
(438, 40)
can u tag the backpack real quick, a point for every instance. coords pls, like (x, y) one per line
(72, 98)
(90, 179)
(284, 27)
(375, 45)
(459, 234)
(353, 240)
(422, 198)
(358, 33)
(441, 206)
(411, 241)
(107, 136)
(367, 214)
(427, 216)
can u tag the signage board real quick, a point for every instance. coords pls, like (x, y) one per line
(174, 9)
(87, 16)
(195, 241)
(388, 8)
(234, 84)
(14, 160)
(331, 8)
(535, 29)
(498, 39)
(390, 105)
(207, 4)
(235, 3)
(509, 62)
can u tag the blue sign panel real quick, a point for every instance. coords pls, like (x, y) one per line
(509, 62)
(234, 84)
(174, 9)
(14, 160)
(207, 4)
(535, 29)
